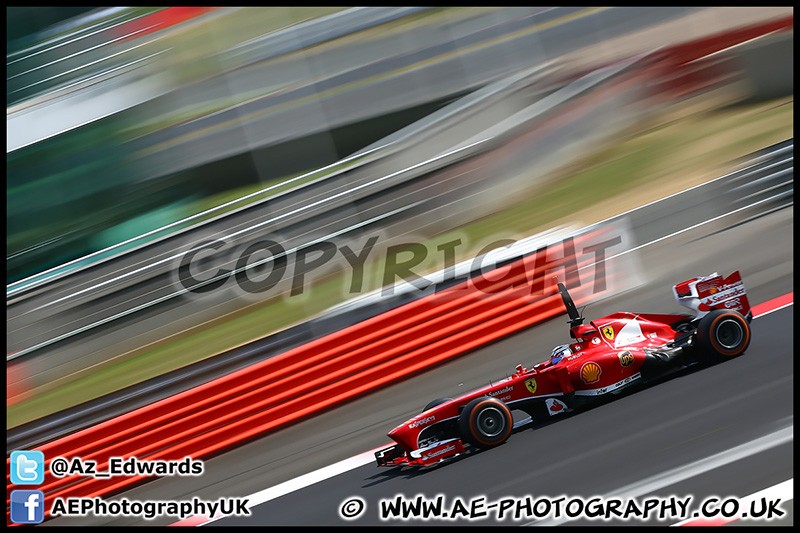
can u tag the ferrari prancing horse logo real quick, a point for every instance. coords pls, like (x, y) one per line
(531, 386)
(608, 332)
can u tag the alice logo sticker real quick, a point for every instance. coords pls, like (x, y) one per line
(590, 372)
(625, 358)
(608, 333)
(531, 386)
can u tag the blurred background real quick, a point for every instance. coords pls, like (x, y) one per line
(134, 132)
(121, 120)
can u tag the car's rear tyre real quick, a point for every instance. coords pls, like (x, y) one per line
(434, 403)
(723, 334)
(485, 422)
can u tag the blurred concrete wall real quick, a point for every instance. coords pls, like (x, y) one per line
(767, 65)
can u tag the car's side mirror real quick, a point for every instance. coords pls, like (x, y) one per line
(582, 331)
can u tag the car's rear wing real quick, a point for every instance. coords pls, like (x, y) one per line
(705, 294)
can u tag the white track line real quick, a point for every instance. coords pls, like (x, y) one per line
(696, 468)
(306, 480)
(682, 473)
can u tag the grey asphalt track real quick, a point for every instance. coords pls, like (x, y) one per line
(639, 435)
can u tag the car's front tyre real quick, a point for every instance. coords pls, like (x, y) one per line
(485, 422)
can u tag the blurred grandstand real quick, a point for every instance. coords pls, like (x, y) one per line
(123, 120)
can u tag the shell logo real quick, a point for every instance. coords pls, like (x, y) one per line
(590, 372)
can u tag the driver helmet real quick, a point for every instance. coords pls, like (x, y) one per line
(560, 352)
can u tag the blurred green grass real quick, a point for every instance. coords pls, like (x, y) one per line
(696, 147)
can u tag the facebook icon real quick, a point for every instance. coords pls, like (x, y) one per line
(27, 467)
(27, 506)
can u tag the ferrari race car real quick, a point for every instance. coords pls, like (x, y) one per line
(606, 356)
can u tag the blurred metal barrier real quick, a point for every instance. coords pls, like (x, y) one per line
(328, 371)
(772, 187)
(79, 57)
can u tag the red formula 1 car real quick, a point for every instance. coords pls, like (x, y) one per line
(607, 355)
